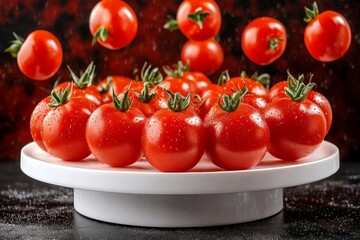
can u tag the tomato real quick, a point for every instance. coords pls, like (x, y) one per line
(178, 84)
(236, 135)
(209, 98)
(40, 56)
(199, 20)
(264, 40)
(113, 133)
(278, 91)
(258, 102)
(202, 82)
(82, 86)
(327, 36)
(297, 125)
(205, 56)
(113, 24)
(63, 130)
(173, 138)
(36, 121)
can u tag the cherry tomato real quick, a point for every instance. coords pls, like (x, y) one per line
(205, 56)
(39, 57)
(264, 40)
(202, 82)
(297, 125)
(236, 136)
(64, 126)
(327, 35)
(113, 133)
(173, 140)
(209, 98)
(277, 91)
(113, 24)
(258, 102)
(199, 20)
(178, 84)
(36, 121)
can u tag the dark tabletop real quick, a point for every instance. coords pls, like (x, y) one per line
(327, 209)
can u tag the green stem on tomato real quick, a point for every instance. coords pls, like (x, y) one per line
(152, 76)
(177, 102)
(264, 78)
(61, 97)
(171, 24)
(274, 43)
(15, 46)
(232, 102)
(178, 70)
(102, 33)
(223, 78)
(198, 16)
(85, 79)
(125, 103)
(105, 88)
(146, 95)
(296, 89)
(311, 13)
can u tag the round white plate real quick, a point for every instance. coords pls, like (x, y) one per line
(204, 196)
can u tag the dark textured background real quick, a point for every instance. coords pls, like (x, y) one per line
(68, 20)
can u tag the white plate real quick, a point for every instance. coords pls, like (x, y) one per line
(204, 196)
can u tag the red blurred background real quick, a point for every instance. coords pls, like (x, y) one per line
(339, 81)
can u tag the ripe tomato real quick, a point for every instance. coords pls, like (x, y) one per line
(209, 98)
(327, 35)
(264, 40)
(39, 57)
(173, 139)
(63, 130)
(277, 91)
(113, 133)
(258, 102)
(178, 84)
(113, 24)
(236, 135)
(36, 121)
(205, 56)
(297, 125)
(202, 82)
(199, 20)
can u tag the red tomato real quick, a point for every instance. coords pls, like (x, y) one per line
(113, 24)
(236, 139)
(327, 35)
(178, 84)
(202, 82)
(264, 40)
(39, 57)
(199, 20)
(114, 134)
(64, 127)
(205, 56)
(173, 141)
(209, 98)
(277, 91)
(258, 102)
(36, 121)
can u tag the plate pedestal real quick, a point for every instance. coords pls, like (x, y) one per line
(190, 210)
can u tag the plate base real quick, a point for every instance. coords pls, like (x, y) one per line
(190, 210)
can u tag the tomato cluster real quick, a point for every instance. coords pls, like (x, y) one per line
(173, 120)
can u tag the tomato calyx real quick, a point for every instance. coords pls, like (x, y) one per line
(274, 43)
(85, 79)
(15, 46)
(198, 16)
(311, 13)
(146, 95)
(177, 71)
(231, 102)
(296, 88)
(125, 103)
(223, 78)
(171, 24)
(177, 102)
(104, 88)
(263, 78)
(59, 98)
(151, 76)
(102, 33)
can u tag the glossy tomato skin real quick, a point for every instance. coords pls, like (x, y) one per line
(258, 102)
(114, 137)
(328, 36)
(178, 84)
(205, 56)
(236, 84)
(236, 140)
(297, 128)
(173, 141)
(277, 91)
(40, 56)
(64, 127)
(202, 82)
(118, 18)
(191, 29)
(36, 121)
(255, 40)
